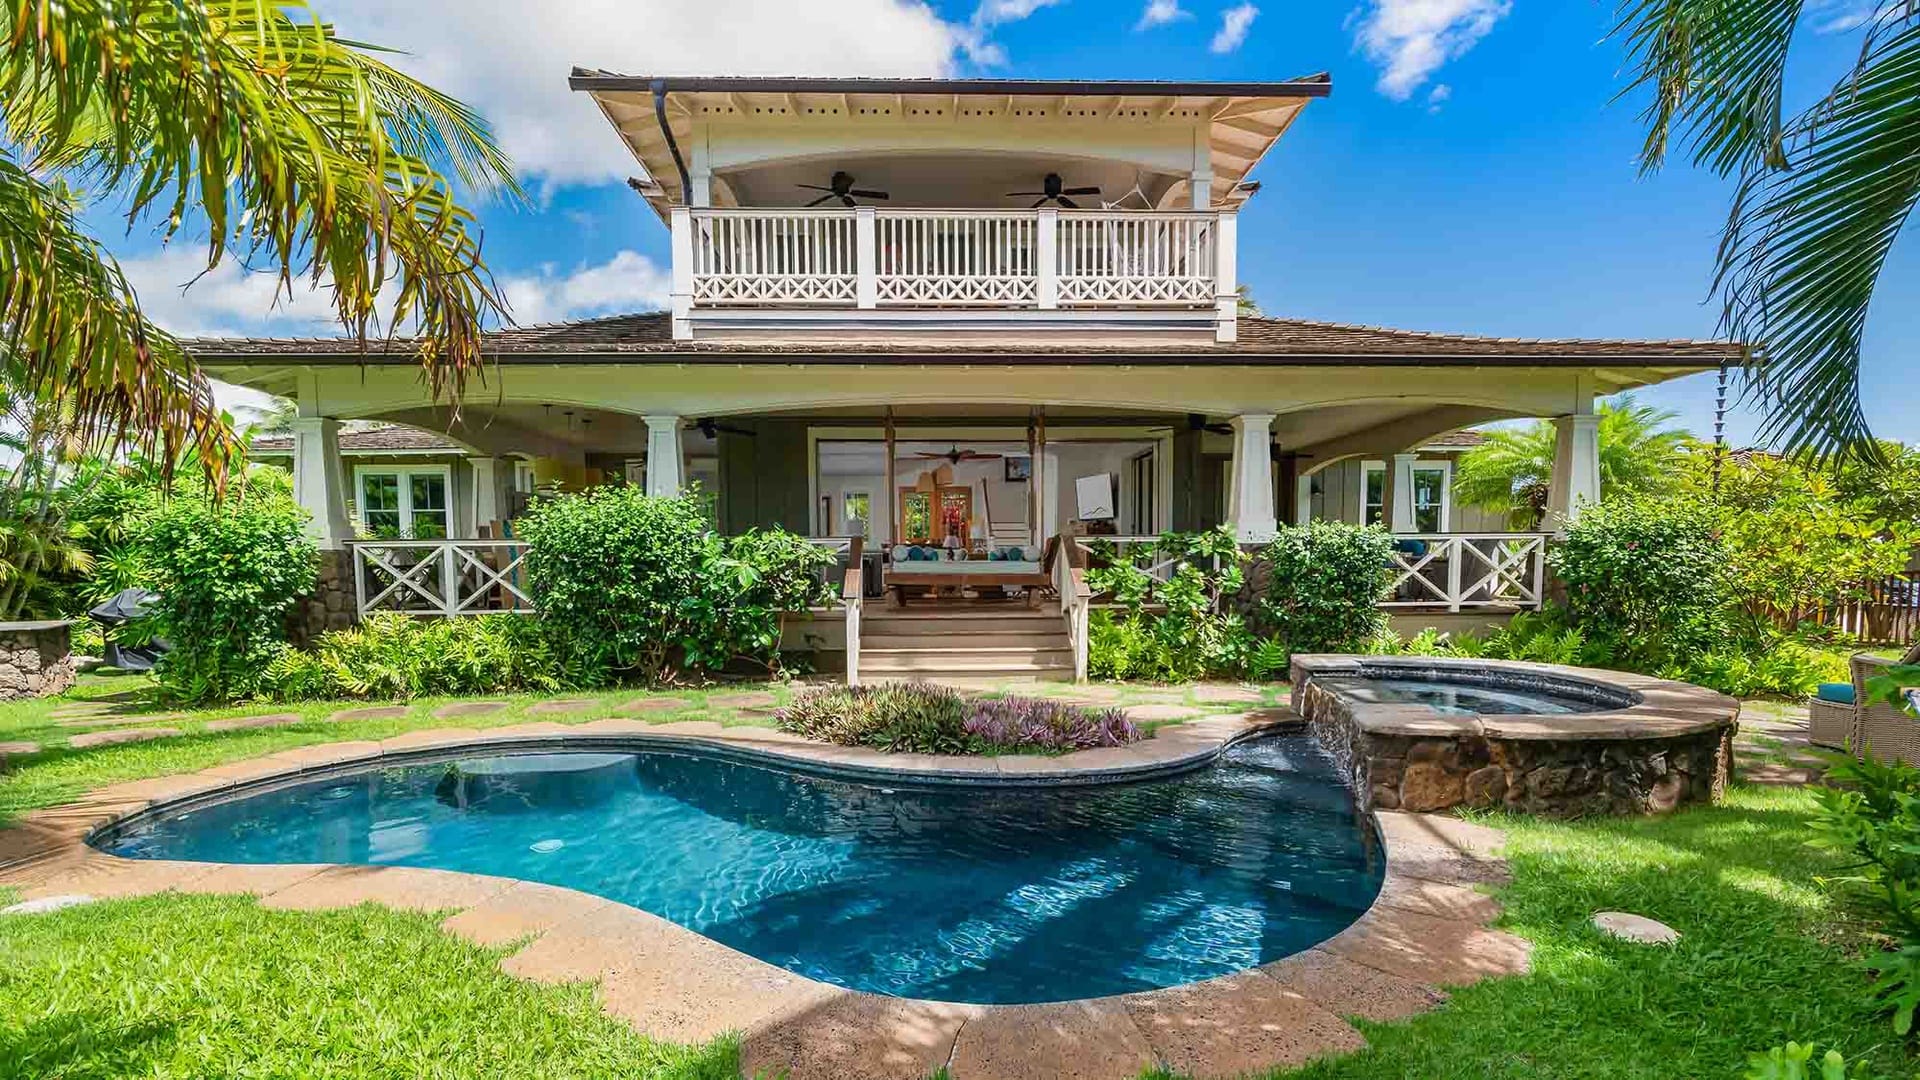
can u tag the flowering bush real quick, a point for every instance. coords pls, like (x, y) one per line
(926, 719)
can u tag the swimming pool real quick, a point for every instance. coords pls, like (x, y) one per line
(974, 894)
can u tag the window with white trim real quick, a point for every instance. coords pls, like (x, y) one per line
(1432, 494)
(412, 502)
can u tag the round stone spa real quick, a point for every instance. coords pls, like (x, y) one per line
(960, 893)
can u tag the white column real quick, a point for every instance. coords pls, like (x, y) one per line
(1400, 493)
(1046, 263)
(681, 296)
(1250, 502)
(1576, 468)
(1226, 276)
(866, 258)
(319, 480)
(663, 455)
(486, 493)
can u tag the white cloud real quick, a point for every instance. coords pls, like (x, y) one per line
(1410, 39)
(1160, 13)
(231, 301)
(1438, 96)
(628, 282)
(512, 62)
(1840, 16)
(1234, 24)
(974, 38)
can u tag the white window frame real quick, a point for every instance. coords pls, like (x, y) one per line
(404, 473)
(1441, 465)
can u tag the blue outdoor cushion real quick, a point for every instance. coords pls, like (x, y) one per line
(1840, 693)
(1415, 548)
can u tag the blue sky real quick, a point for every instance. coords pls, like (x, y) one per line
(1471, 172)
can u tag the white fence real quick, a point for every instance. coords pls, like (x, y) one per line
(873, 258)
(440, 577)
(1469, 570)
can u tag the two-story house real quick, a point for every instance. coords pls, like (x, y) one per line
(950, 317)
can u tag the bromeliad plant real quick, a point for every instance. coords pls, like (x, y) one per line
(922, 718)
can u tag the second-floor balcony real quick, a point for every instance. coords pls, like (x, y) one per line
(870, 262)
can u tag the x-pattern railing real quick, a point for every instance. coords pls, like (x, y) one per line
(440, 577)
(1464, 570)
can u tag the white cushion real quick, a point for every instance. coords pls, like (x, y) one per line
(1030, 553)
(899, 553)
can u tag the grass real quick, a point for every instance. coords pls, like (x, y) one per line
(1765, 957)
(184, 987)
(59, 774)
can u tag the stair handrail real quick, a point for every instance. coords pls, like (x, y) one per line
(1070, 581)
(852, 599)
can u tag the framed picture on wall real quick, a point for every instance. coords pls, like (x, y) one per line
(1019, 469)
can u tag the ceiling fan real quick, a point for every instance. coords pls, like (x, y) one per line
(841, 187)
(1054, 191)
(957, 455)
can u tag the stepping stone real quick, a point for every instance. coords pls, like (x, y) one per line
(17, 749)
(468, 708)
(121, 736)
(657, 704)
(1228, 695)
(565, 705)
(249, 723)
(66, 712)
(46, 904)
(1635, 928)
(758, 699)
(377, 712)
(1139, 713)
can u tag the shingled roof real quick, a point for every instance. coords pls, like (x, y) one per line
(648, 337)
(371, 439)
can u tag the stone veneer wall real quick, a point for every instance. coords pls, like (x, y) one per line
(1553, 777)
(36, 659)
(331, 605)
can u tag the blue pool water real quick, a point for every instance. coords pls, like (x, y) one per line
(1460, 698)
(994, 895)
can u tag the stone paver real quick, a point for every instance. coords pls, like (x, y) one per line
(115, 719)
(1635, 928)
(121, 737)
(1216, 694)
(656, 704)
(757, 699)
(1234, 1025)
(403, 888)
(46, 904)
(329, 753)
(1426, 949)
(857, 1037)
(249, 723)
(1345, 988)
(455, 709)
(1069, 1040)
(522, 910)
(17, 749)
(561, 706)
(374, 712)
(1139, 713)
(259, 879)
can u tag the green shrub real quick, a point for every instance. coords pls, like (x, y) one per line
(1646, 580)
(642, 584)
(1794, 1061)
(1173, 627)
(1324, 584)
(1870, 811)
(226, 574)
(390, 656)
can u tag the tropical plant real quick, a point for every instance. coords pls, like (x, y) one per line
(1794, 1061)
(1639, 451)
(1645, 579)
(928, 719)
(292, 147)
(1323, 585)
(1173, 624)
(1870, 812)
(391, 656)
(1822, 195)
(226, 576)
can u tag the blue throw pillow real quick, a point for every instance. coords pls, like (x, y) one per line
(1840, 693)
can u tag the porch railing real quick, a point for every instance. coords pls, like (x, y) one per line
(876, 258)
(1469, 570)
(1076, 598)
(439, 577)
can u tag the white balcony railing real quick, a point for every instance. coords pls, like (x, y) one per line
(1469, 570)
(869, 258)
(440, 577)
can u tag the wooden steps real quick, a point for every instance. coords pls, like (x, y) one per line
(963, 641)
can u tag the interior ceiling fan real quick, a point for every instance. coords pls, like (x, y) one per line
(957, 455)
(1055, 192)
(841, 187)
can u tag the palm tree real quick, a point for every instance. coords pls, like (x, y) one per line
(1820, 196)
(1639, 451)
(294, 149)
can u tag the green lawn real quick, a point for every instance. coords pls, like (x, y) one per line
(178, 986)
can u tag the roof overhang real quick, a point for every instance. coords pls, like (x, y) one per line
(1241, 120)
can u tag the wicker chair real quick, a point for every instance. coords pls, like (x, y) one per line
(1885, 731)
(1830, 723)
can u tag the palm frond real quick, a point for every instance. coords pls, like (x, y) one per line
(1714, 70)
